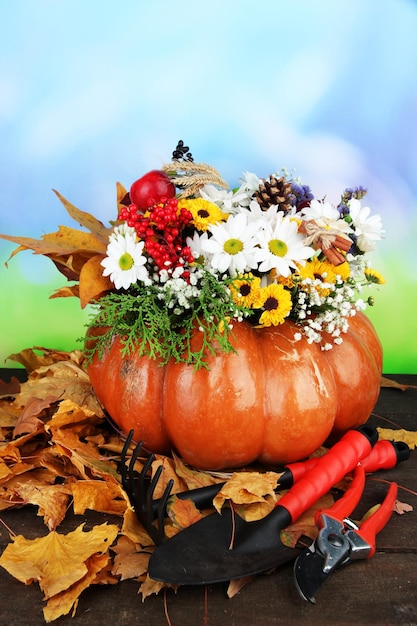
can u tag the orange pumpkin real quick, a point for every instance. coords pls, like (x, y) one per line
(275, 400)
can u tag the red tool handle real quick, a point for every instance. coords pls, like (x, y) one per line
(385, 455)
(344, 506)
(371, 527)
(342, 458)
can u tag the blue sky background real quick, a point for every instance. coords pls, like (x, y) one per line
(99, 91)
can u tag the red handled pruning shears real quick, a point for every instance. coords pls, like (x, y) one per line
(340, 541)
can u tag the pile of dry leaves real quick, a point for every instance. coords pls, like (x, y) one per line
(58, 450)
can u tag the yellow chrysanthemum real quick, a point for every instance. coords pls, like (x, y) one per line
(316, 269)
(286, 281)
(203, 211)
(277, 305)
(374, 277)
(221, 325)
(343, 270)
(245, 290)
(323, 271)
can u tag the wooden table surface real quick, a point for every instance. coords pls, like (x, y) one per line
(380, 591)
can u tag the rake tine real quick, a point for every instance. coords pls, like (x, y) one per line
(140, 489)
(123, 468)
(154, 509)
(161, 511)
(143, 486)
(133, 475)
(127, 472)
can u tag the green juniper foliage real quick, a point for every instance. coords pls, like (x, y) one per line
(145, 322)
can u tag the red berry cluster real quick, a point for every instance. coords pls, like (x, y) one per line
(160, 227)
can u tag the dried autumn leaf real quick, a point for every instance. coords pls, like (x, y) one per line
(388, 382)
(62, 379)
(25, 559)
(61, 603)
(85, 457)
(66, 292)
(183, 513)
(92, 282)
(9, 414)
(237, 585)
(151, 586)
(401, 435)
(9, 453)
(51, 500)
(402, 507)
(32, 358)
(86, 219)
(253, 492)
(28, 421)
(193, 478)
(131, 565)
(70, 414)
(168, 473)
(121, 193)
(98, 495)
(133, 529)
(27, 484)
(66, 241)
(9, 389)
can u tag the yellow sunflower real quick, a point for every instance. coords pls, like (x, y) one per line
(374, 277)
(245, 290)
(276, 302)
(203, 211)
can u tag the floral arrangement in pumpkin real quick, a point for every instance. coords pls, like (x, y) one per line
(187, 252)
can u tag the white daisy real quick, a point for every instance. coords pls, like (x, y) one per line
(325, 215)
(282, 246)
(232, 244)
(368, 228)
(125, 263)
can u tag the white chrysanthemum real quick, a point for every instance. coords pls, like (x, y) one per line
(250, 182)
(122, 229)
(221, 197)
(270, 215)
(326, 215)
(282, 246)
(195, 243)
(368, 228)
(125, 263)
(232, 201)
(232, 245)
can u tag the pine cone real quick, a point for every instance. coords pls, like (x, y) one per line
(275, 191)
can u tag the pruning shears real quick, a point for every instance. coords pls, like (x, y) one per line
(340, 540)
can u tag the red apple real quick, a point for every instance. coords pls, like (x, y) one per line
(154, 186)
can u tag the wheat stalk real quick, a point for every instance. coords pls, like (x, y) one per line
(190, 176)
